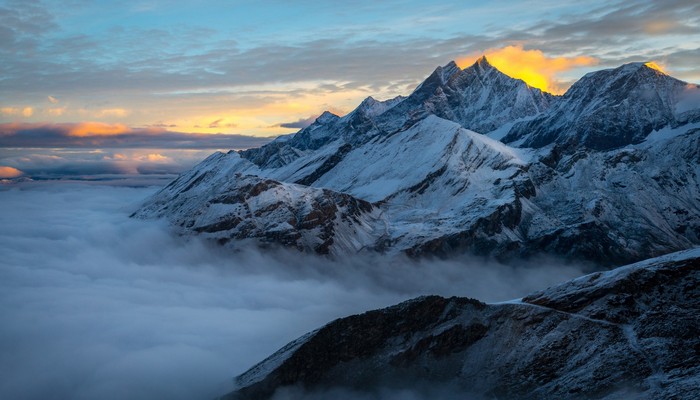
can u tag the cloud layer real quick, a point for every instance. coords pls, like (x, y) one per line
(97, 164)
(256, 68)
(97, 305)
(102, 135)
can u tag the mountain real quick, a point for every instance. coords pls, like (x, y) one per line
(480, 98)
(612, 108)
(626, 333)
(249, 207)
(608, 173)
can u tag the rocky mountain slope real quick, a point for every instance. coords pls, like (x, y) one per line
(609, 172)
(626, 333)
(612, 108)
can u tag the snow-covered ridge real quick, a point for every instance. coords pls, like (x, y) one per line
(626, 333)
(610, 108)
(608, 172)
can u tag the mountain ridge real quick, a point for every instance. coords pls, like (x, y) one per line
(625, 333)
(554, 184)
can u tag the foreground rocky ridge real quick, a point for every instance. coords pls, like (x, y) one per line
(626, 333)
(608, 173)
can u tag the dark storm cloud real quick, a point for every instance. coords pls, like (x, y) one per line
(96, 305)
(298, 124)
(63, 135)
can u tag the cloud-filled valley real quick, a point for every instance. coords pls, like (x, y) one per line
(97, 305)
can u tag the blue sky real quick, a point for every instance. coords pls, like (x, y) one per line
(265, 68)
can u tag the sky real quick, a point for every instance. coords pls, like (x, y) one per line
(139, 69)
(103, 102)
(97, 305)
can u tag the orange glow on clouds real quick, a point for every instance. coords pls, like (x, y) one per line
(139, 156)
(155, 157)
(532, 66)
(26, 111)
(9, 172)
(84, 129)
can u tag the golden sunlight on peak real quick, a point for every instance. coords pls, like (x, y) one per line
(532, 66)
(656, 66)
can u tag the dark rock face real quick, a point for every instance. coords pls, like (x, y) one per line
(320, 221)
(480, 98)
(627, 333)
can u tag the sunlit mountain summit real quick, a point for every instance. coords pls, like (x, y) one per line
(473, 161)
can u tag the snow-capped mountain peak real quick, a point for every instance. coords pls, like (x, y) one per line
(608, 109)
(437, 185)
(326, 117)
(482, 65)
(440, 76)
(448, 71)
(370, 107)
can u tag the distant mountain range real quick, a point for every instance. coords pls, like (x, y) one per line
(471, 161)
(630, 333)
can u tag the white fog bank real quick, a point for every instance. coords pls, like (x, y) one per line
(95, 305)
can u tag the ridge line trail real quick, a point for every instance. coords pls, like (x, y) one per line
(654, 379)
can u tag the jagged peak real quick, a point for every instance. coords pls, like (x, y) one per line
(483, 67)
(639, 66)
(326, 117)
(447, 71)
(372, 107)
(645, 70)
(451, 65)
(483, 62)
(369, 101)
(631, 68)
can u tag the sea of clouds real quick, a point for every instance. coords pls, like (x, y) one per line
(96, 305)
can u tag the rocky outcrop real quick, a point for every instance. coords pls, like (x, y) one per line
(269, 212)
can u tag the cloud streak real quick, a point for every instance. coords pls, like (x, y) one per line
(102, 135)
(298, 124)
(97, 305)
(100, 164)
